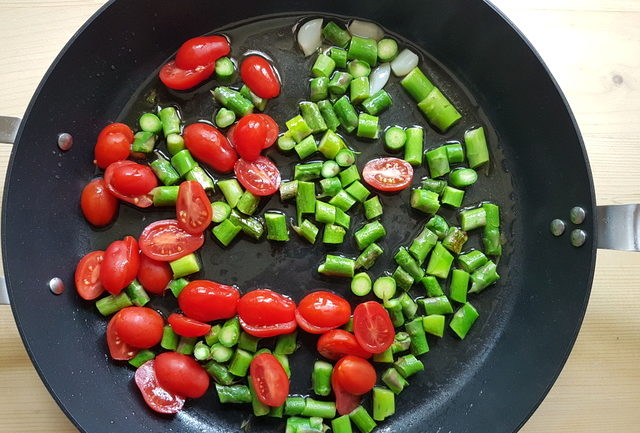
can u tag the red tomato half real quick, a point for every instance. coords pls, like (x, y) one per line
(156, 397)
(200, 51)
(388, 174)
(193, 208)
(252, 133)
(139, 327)
(154, 275)
(372, 327)
(269, 380)
(265, 313)
(337, 343)
(114, 169)
(98, 205)
(181, 374)
(210, 146)
(321, 311)
(118, 349)
(261, 177)
(355, 375)
(164, 241)
(120, 128)
(120, 265)
(260, 76)
(177, 78)
(87, 276)
(208, 301)
(133, 179)
(345, 401)
(111, 148)
(186, 327)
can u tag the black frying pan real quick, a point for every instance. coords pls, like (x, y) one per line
(490, 382)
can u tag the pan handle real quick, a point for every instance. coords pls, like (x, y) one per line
(619, 227)
(8, 130)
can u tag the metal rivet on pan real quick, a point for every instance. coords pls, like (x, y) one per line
(65, 141)
(557, 227)
(577, 215)
(56, 286)
(578, 237)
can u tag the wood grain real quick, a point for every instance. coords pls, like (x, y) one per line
(592, 47)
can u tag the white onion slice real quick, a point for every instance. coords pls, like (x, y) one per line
(310, 36)
(379, 77)
(366, 29)
(404, 63)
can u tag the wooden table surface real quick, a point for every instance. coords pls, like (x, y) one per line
(593, 49)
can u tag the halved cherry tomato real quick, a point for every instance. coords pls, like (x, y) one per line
(260, 76)
(140, 200)
(272, 130)
(156, 397)
(388, 174)
(164, 241)
(355, 375)
(154, 275)
(177, 78)
(98, 205)
(321, 311)
(337, 343)
(207, 300)
(186, 327)
(372, 327)
(139, 327)
(181, 374)
(87, 276)
(193, 208)
(201, 51)
(253, 133)
(133, 179)
(269, 380)
(210, 146)
(345, 401)
(265, 313)
(261, 177)
(111, 148)
(118, 349)
(120, 265)
(117, 128)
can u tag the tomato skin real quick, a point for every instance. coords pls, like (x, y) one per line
(269, 380)
(261, 177)
(118, 349)
(116, 127)
(265, 313)
(260, 76)
(177, 78)
(133, 179)
(186, 327)
(272, 130)
(338, 343)
(201, 51)
(345, 401)
(87, 276)
(111, 148)
(250, 136)
(388, 174)
(372, 327)
(210, 146)
(181, 374)
(120, 265)
(355, 375)
(154, 275)
(207, 301)
(193, 208)
(141, 200)
(321, 311)
(98, 205)
(165, 241)
(157, 398)
(140, 327)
